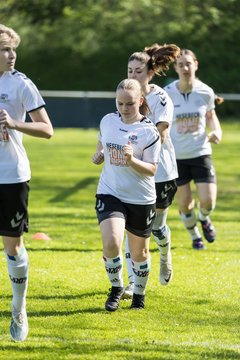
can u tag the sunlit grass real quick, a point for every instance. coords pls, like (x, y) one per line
(195, 317)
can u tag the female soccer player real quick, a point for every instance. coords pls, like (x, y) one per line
(130, 146)
(18, 95)
(143, 66)
(193, 113)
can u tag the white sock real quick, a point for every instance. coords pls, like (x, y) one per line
(162, 236)
(160, 219)
(113, 268)
(189, 221)
(129, 262)
(141, 273)
(18, 274)
(203, 214)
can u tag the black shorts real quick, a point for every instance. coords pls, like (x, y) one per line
(14, 209)
(165, 193)
(199, 169)
(138, 218)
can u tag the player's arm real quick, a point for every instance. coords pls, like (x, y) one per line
(163, 130)
(140, 166)
(98, 157)
(219, 99)
(215, 135)
(40, 126)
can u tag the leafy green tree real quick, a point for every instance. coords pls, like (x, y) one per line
(85, 44)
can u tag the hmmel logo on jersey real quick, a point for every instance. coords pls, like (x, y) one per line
(3, 97)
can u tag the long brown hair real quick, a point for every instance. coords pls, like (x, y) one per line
(157, 57)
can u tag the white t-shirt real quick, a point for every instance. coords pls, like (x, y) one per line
(117, 178)
(18, 95)
(188, 131)
(161, 108)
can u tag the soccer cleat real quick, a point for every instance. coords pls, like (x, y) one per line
(208, 231)
(166, 270)
(114, 298)
(197, 244)
(19, 325)
(128, 291)
(138, 302)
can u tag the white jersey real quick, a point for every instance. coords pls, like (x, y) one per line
(117, 178)
(18, 95)
(189, 121)
(161, 108)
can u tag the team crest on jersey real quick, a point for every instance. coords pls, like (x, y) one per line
(3, 97)
(133, 139)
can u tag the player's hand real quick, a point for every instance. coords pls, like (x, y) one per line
(6, 120)
(219, 100)
(128, 152)
(215, 137)
(98, 158)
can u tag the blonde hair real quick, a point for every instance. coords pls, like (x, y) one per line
(157, 57)
(132, 84)
(7, 34)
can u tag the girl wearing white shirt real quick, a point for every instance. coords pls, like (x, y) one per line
(143, 66)
(18, 95)
(194, 112)
(129, 145)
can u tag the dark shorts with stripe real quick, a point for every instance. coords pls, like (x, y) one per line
(165, 193)
(200, 170)
(14, 209)
(138, 218)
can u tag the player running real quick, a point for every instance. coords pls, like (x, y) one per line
(129, 145)
(194, 111)
(143, 66)
(18, 95)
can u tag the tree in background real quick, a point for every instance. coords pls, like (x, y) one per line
(84, 44)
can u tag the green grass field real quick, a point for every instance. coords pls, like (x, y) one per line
(195, 317)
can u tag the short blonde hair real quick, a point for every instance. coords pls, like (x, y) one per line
(7, 34)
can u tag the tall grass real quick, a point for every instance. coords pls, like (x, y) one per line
(195, 317)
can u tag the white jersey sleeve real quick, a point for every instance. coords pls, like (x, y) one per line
(160, 105)
(18, 95)
(31, 97)
(161, 110)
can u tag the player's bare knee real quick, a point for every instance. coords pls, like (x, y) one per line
(141, 255)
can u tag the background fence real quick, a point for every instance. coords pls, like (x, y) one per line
(84, 109)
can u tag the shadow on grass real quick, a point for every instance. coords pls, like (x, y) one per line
(187, 248)
(7, 314)
(62, 250)
(156, 250)
(124, 349)
(59, 297)
(70, 191)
